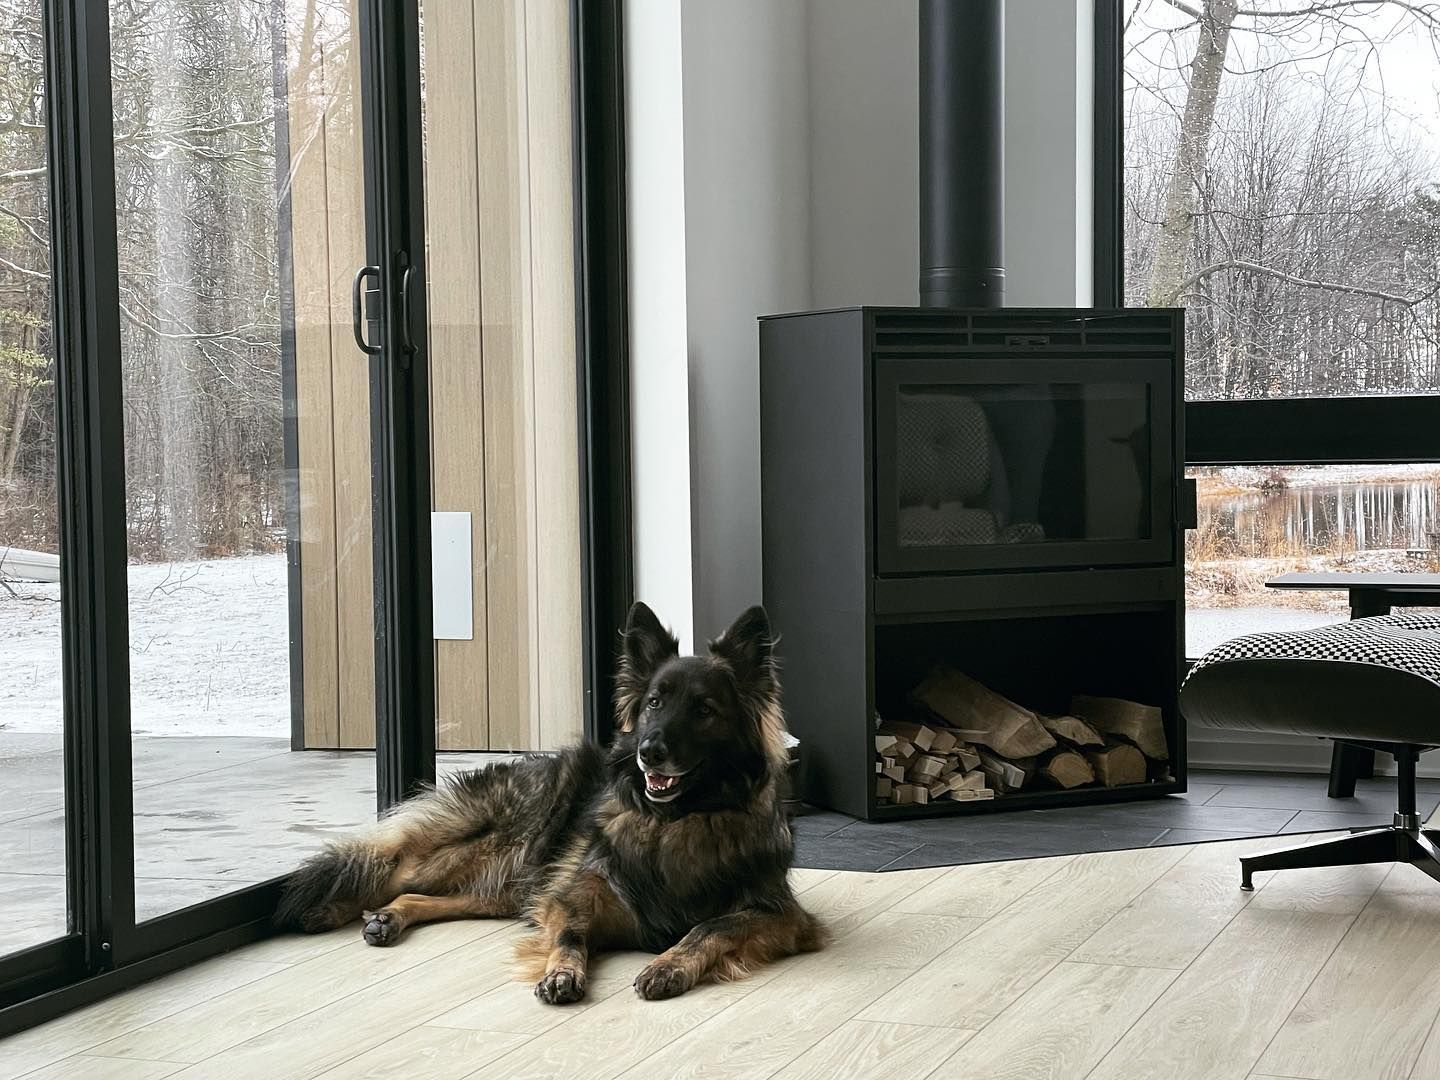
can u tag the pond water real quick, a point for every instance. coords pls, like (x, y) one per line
(1326, 518)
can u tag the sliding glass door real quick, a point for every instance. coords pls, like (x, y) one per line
(215, 645)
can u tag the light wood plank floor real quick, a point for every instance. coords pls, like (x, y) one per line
(1132, 964)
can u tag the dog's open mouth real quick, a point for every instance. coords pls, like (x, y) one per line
(661, 787)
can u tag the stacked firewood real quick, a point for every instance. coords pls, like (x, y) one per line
(962, 741)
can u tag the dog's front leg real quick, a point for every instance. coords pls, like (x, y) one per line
(569, 924)
(729, 947)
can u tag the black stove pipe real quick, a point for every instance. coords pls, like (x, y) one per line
(962, 153)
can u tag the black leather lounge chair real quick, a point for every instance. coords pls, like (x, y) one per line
(1372, 683)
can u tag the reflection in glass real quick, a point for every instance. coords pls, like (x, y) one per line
(235, 135)
(32, 787)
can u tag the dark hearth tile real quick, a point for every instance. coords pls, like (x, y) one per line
(1306, 781)
(1367, 800)
(810, 821)
(1044, 844)
(1197, 794)
(1308, 821)
(1176, 814)
(854, 853)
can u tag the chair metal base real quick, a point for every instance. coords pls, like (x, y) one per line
(1402, 842)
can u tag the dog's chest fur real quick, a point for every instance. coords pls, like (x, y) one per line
(674, 873)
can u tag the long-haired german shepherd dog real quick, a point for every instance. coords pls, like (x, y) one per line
(675, 841)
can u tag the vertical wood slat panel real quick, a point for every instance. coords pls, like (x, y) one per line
(457, 419)
(313, 405)
(508, 504)
(552, 359)
(350, 380)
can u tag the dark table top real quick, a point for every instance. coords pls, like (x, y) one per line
(1400, 582)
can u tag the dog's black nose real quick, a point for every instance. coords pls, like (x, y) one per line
(653, 750)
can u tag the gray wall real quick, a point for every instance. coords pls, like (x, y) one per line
(747, 181)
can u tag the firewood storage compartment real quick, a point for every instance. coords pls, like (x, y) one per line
(980, 510)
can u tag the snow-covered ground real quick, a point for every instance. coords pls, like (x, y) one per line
(209, 650)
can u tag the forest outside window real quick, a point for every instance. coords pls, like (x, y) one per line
(1282, 184)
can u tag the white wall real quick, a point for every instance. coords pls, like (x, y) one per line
(747, 244)
(660, 435)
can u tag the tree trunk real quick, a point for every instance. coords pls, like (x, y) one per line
(10, 451)
(1167, 274)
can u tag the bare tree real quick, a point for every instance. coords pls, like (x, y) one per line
(1267, 193)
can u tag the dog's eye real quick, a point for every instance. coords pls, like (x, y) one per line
(706, 712)
(654, 702)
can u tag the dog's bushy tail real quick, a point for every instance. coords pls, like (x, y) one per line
(333, 887)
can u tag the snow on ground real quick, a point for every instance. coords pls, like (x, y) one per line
(209, 650)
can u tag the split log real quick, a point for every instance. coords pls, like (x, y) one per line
(944, 741)
(970, 794)
(1072, 731)
(1117, 765)
(1143, 725)
(921, 735)
(980, 715)
(1067, 769)
(969, 759)
(967, 781)
(883, 787)
(885, 743)
(1003, 775)
(895, 773)
(903, 794)
(925, 768)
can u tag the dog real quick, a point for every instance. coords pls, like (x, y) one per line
(675, 841)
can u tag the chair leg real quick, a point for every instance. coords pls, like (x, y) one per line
(1375, 846)
(1347, 764)
(1425, 854)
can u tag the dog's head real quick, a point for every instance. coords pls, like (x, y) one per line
(697, 730)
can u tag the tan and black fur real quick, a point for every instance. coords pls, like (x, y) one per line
(673, 841)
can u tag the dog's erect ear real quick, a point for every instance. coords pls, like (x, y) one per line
(747, 647)
(647, 643)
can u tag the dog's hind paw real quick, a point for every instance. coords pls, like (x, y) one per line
(662, 980)
(560, 987)
(381, 928)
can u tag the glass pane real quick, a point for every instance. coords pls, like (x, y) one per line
(32, 778)
(1023, 464)
(504, 450)
(1257, 523)
(247, 454)
(1298, 218)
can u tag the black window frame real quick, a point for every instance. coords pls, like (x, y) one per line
(104, 952)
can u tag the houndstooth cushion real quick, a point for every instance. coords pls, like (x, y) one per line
(948, 525)
(942, 449)
(1408, 641)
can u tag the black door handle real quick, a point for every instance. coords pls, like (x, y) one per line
(358, 307)
(407, 334)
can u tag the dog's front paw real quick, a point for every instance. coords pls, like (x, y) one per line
(662, 980)
(561, 987)
(382, 927)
